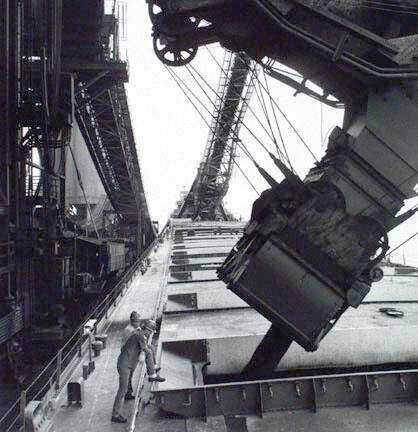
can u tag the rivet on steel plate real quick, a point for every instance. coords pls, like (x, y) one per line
(350, 384)
(402, 381)
(297, 389)
(217, 397)
(243, 393)
(270, 388)
(323, 386)
(188, 399)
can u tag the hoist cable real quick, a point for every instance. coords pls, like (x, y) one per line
(291, 125)
(239, 143)
(287, 158)
(397, 247)
(174, 76)
(245, 176)
(241, 121)
(264, 108)
(248, 107)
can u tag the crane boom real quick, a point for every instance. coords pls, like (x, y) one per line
(236, 83)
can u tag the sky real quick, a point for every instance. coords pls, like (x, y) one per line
(171, 136)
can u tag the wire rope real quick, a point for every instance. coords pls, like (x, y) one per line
(254, 76)
(241, 122)
(245, 176)
(291, 125)
(277, 122)
(249, 108)
(264, 108)
(397, 247)
(239, 143)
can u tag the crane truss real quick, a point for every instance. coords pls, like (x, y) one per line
(236, 84)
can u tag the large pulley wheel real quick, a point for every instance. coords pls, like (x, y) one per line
(172, 25)
(169, 51)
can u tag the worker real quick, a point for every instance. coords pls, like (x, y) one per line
(137, 324)
(149, 327)
(134, 342)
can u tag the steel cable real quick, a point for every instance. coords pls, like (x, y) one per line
(289, 122)
(240, 144)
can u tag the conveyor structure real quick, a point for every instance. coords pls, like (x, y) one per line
(62, 72)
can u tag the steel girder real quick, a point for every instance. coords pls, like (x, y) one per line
(334, 45)
(104, 119)
(211, 183)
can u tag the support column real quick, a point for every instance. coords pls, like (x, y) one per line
(267, 355)
(5, 246)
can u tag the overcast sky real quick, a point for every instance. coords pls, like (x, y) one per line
(171, 136)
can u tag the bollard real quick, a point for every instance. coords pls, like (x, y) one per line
(75, 392)
(85, 370)
(97, 347)
(102, 338)
(80, 343)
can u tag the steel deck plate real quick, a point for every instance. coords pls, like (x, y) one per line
(233, 335)
(194, 276)
(187, 287)
(203, 299)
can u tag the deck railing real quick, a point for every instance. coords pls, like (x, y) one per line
(56, 374)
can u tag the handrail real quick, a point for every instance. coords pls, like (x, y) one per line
(138, 399)
(11, 417)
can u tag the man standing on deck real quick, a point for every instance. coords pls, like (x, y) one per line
(133, 342)
(137, 324)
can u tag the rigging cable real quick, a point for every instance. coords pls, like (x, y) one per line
(240, 144)
(249, 108)
(240, 120)
(277, 122)
(253, 74)
(397, 247)
(248, 180)
(291, 125)
(264, 108)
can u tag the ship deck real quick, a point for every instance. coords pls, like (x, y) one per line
(207, 331)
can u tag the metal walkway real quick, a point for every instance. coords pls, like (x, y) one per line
(101, 385)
